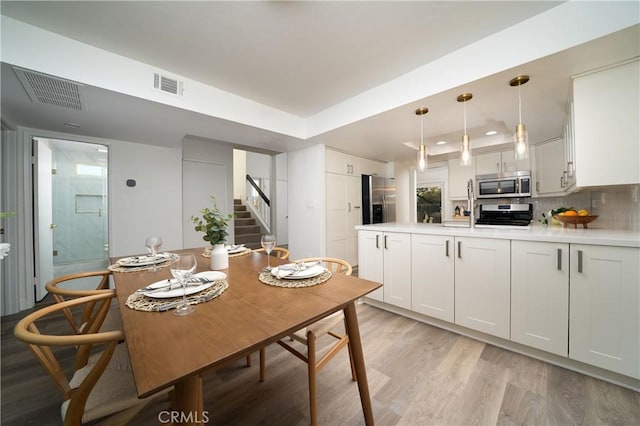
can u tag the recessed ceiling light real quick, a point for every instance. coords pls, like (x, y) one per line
(491, 133)
(441, 142)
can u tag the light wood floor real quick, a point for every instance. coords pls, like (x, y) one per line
(418, 375)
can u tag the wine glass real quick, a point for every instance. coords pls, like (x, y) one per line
(182, 269)
(153, 244)
(268, 242)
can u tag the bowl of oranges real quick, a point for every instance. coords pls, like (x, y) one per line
(575, 217)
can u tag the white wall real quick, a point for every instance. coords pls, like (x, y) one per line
(281, 199)
(153, 206)
(213, 161)
(307, 203)
(239, 174)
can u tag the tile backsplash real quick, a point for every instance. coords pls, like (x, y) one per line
(617, 207)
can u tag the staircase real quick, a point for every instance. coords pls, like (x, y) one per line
(247, 232)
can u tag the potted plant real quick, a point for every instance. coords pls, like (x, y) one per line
(213, 224)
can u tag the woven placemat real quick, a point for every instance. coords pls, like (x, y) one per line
(119, 268)
(267, 277)
(242, 253)
(141, 302)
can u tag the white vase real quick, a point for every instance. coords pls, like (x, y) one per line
(219, 257)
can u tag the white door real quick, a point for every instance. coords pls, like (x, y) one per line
(44, 218)
(540, 295)
(397, 269)
(432, 276)
(200, 180)
(370, 260)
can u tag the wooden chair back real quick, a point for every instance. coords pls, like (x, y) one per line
(335, 265)
(279, 252)
(86, 342)
(57, 289)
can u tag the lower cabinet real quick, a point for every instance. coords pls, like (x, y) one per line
(432, 276)
(604, 308)
(482, 285)
(540, 295)
(385, 257)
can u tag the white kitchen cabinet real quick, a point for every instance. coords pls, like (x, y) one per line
(550, 167)
(458, 178)
(432, 276)
(371, 260)
(604, 325)
(540, 295)
(372, 167)
(386, 257)
(606, 108)
(342, 163)
(499, 162)
(344, 213)
(482, 285)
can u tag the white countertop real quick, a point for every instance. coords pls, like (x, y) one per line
(552, 233)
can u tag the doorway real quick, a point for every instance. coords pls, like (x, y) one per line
(70, 195)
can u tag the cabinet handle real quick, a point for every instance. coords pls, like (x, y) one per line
(566, 181)
(377, 241)
(459, 249)
(559, 259)
(561, 181)
(385, 243)
(580, 261)
(446, 248)
(570, 167)
(504, 166)
(537, 186)
(498, 167)
(349, 207)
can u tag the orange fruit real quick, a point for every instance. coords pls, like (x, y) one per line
(571, 213)
(583, 212)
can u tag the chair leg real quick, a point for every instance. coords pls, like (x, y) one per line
(263, 357)
(249, 360)
(311, 361)
(353, 366)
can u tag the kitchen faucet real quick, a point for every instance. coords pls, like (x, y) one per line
(470, 202)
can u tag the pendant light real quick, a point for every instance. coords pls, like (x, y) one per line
(465, 147)
(521, 138)
(422, 150)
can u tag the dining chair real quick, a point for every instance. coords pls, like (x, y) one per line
(59, 291)
(93, 390)
(309, 336)
(279, 252)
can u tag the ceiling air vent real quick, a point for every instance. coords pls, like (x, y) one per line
(47, 89)
(168, 85)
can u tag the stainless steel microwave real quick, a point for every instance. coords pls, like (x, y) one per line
(504, 185)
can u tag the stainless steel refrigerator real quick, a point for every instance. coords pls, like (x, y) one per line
(378, 200)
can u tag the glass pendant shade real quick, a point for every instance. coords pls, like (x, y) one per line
(465, 151)
(465, 146)
(520, 138)
(422, 158)
(422, 149)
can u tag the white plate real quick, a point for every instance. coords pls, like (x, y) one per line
(312, 271)
(144, 260)
(176, 291)
(236, 248)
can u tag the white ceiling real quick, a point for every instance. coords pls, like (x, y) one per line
(305, 58)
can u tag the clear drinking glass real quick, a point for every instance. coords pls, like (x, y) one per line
(153, 244)
(268, 242)
(182, 269)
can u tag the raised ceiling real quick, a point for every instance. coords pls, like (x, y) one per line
(306, 58)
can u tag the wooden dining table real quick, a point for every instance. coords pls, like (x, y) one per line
(168, 350)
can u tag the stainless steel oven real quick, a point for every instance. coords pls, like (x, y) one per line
(504, 185)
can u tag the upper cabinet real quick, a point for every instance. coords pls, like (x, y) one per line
(606, 132)
(458, 178)
(347, 164)
(550, 167)
(499, 162)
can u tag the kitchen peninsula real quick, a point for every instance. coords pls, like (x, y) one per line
(567, 296)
